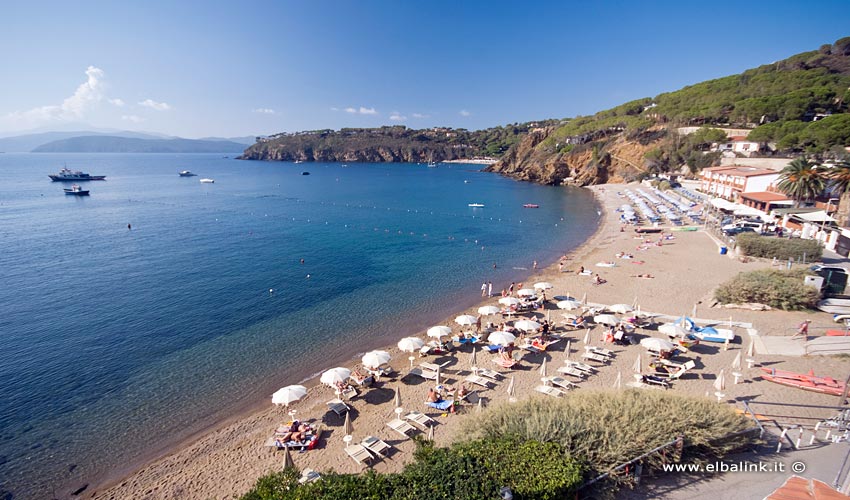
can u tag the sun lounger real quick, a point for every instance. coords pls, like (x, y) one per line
(426, 374)
(337, 406)
(530, 348)
(561, 382)
(401, 427)
(608, 353)
(308, 443)
(380, 372)
(376, 446)
(581, 366)
(595, 357)
(359, 453)
(551, 391)
(492, 375)
(309, 476)
(475, 379)
(441, 405)
(676, 374)
(420, 419)
(492, 348)
(572, 371)
(655, 381)
(349, 392)
(465, 340)
(505, 363)
(433, 366)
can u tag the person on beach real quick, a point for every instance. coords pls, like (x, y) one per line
(489, 288)
(580, 270)
(483, 288)
(504, 293)
(478, 324)
(802, 330)
(560, 267)
(511, 289)
(534, 265)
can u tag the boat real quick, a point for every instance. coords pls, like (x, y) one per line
(76, 190)
(186, 173)
(431, 164)
(835, 306)
(531, 205)
(299, 161)
(207, 181)
(305, 173)
(67, 174)
(476, 205)
(711, 334)
(807, 382)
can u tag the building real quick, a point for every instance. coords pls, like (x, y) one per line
(731, 181)
(737, 144)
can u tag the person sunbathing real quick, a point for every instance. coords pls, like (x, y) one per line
(462, 392)
(434, 398)
(361, 379)
(647, 275)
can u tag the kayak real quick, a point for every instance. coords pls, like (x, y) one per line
(807, 382)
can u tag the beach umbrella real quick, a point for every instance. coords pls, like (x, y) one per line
(587, 337)
(410, 344)
(288, 463)
(543, 285)
(335, 376)
(488, 310)
(720, 383)
(397, 397)
(509, 301)
(480, 405)
(567, 350)
(527, 325)
(751, 349)
(472, 360)
(347, 428)
(441, 331)
(543, 368)
(437, 379)
(606, 319)
(736, 365)
(501, 338)
(465, 320)
(511, 387)
(672, 330)
(569, 305)
(584, 298)
(618, 382)
(374, 359)
(621, 308)
(638, 366)
(430, 433)
(526, 292)
(289, 395)
(656, 344)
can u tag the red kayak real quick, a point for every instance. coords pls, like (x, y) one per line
(807, 382)
(838, 333)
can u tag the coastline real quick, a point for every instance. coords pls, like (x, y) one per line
(226, 459)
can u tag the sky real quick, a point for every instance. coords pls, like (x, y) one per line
(227, 69)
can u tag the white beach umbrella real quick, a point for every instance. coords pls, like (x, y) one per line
(656, 344)
(586, 337)
(672, 330)
(621, 308)
(526, 292)
(465, 320)
(501, 338)
(569, 305)
(440, 331)
(720, 383)
(410, 344)
(289, 395)
(335, 376)
(488, 310)
(509, 301)
(736, 364)
(606, 319)
(543, 285)
(374, 359)
(527, 325)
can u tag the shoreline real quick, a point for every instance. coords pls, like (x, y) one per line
(253, 410)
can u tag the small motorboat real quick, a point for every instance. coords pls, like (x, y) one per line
(807, 381)
(476, 205)
(531, 205)
(76, 190)
(305, 173)
(710, 334)
(207, 181)
(186, 173)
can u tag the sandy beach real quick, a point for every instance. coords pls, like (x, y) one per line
(228, 460)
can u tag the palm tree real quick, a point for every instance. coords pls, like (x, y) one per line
(801, 180)
(839, 178)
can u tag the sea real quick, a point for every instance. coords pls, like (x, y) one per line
(159, 306)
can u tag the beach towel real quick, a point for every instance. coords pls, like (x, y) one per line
(441, 405)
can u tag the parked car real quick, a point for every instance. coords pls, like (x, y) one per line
(734, 231)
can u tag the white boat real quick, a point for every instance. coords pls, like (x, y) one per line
(207, 181)
(186, 173)
(835, 306)
(476, 205)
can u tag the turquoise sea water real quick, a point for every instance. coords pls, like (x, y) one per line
(116, 342)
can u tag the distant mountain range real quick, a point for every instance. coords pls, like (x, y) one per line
(110, 142)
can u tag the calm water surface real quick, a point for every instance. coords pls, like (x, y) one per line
(115, 343)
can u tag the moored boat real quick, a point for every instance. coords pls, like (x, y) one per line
(76, 190)
(476, 205)
(186, 173)
(531, 205)
(67, 174)
(207, 181)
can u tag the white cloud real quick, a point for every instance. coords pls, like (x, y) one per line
(420, 115)
(159, 106)
(132, 118)
(350, 110)
(397, 117)
(368, 111)
(464, 112)
(264, 111)
(116, 102)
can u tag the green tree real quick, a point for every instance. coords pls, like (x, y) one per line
(801, 180)
(839, 178)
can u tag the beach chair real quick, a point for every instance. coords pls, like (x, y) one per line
(338, 406)
(608, 353)
(426, 374)
(595, 357)
(492, 375)
(561, 382)
(572, 371)
(505, 363)
(401, 427)
(653, 380)
(420, 419)
(530, 348)
(549, 390)
(433, 366)
(309, 476)
(348, 393)
(676, 374)
(475, 379)
(376, 446)
(358, 453)
(586, 368)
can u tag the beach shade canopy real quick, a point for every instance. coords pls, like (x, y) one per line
(606, 319)
(638, 366)
(465, 320)
(526, 292)
(656, 344)
(527, 325)
(569, 305)
(410, 344)
(501, 338)
(374, 359)
(335, 376)
(672, 330)
(509, 301)
(289, 395)
(488, 310)
(720, 383)
(439, 331)
(621, 308)
(543, 285)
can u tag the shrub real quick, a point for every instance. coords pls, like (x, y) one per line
(754, 245)
(780, 289)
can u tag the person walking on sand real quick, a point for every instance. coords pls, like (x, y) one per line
(802, 330)
(489, 288)
(483, 288)
(534, 265)
(511, 289)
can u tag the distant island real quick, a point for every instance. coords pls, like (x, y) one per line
(114, 144)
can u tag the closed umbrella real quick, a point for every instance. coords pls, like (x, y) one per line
(511, 387)
(606, 319)
(509, 301)
(638, 366)
(288, 463)
(618, 382)
(410, 344)
(656, 344)
(347, 428)
(440, 331)
(569, 305)
(431, 433)
(621, 308)
(466, 320)
(472, 361)
(397, 397)
(543, 285)
(289, 395)
(437, 379)
(526, 292)
(488, 310)
(543, 369)
(720, 383)
(751, 349)
(480, 405)
(736, 365)
(501, 338)
(567, 350)
(527, 325)
(587, 337)
(374, 359)
(335, 376)
(584, 298)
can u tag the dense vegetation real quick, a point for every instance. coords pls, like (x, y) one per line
(753, 245)
(779, 289)
(540, 449)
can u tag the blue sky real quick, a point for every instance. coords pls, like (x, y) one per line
(211, 68)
